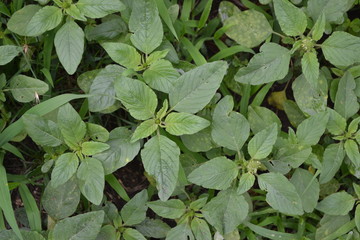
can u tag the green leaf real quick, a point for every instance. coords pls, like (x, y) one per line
(346, 101)
(102, 88)
(26, 89)
(248, 28)
(65, 167)
(67, 199)
(153, 228)
(91, 179)
(165, 15)
(200, 141)
(357, 217)
(226, 211)
(137, 97)
(340, 203)
(292, 154)
(246, 181)
(184, 123)
(341, 49)
(261, 118)
(200, 229)
(229, 129)
(271, 64)
(123, 54)
(97, 132)
(271, 234)
(71, 126)
(144, 130)
(28, 235)
(172, 209)
(336, 124)
(69, 45)
(107, 30)
(92, 148)
(132, 234)
(310, 130)
(83, 226)
(42, 132)
(194, 89)
(134, 211)
(74, 12)
(319, 28)
(8, 53)
(310, 67)
(260, 146)
(181, 232)
(352, 151)
(107, 232)
(292, 20)
(227, 9)
(281, 194)
(85, 79)
(332, 160)
(160, 157)
(161, 75)
(146, 26)
(308, 188)
(332, 9)
(99, 8)
(121, 150)
(218, 173)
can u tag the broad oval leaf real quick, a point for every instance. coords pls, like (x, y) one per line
(310, 130)
(261, 117)
(26, 89)
(218, 173)
(260, 146)
(246, 181)
(65, 167)
(310, 68)
(194, 89)
(154, 228)
(134, 211)
(8, 53)
(172, 209)
(132, 234)
(184, 123)
(340, 203)
(332, 9)
(201, 229)
(123, 54)
(92, 148)
(99, 8)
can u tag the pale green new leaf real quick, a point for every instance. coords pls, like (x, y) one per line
(226, 211)
(184, 123)
(91, 179)
(69, 45)
(26, 89)
(346, 103)
(160, 157)
(194, 89)
(172, 209)
(248, 28)
(201, 229)
(134, 211)
(123, 54)
(310, 68)
(92, 148)
(137, 97)
(281, 194)
(352, 151)
(65, 167)
(246, 181)
(292, 20)
(99, 8)
(84, 226)
(340, 203)
(308, 188)
(218, 173)
(8, 53)
(161, 76)
(319, 28)
(271, 64)
(74, 12)
(97, 132)
(71, 126)
(132, 234)
(144, 130)
(332, 160)
(336, 124)
(310, 130)
(341, 49)
(260, 146)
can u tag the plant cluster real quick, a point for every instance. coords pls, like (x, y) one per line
(243, 115)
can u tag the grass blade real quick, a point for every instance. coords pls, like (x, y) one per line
(224, 53)
(198, 58)
(32, 211)
(205, 14)
(14, 150)
(164, 14)
(114, 183)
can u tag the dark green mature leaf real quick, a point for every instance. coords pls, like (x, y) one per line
(200, 141)
(180, 232)
(308, 188)
(336, 124)
(69, 45)
(173, 208)
(83, 226)
(194, 89)
(271, 64)
(200, 229)
(332, 9)
(292, 20)
(67, 198)
(134, 211)
(311, 129)
(26, 89)
(92, 148)
(65, 167)
(346, 103)
(132, 234)
(99, 8)
(229, 129)
(342, 49)
(91, 179)
(260, 146)
(261, 117)
(248, 28)
(19, 21)
(153, 228)
(97, 132)
(184, 123)
(352, 151)
(281, 194)
(291, 153)
(137, 97)
(339, 203)
(107, 232)
(218, 173)
(107, 30)
(8, 53)
(160, 157)
(226, 211)
(28, 235)
(123, 54)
